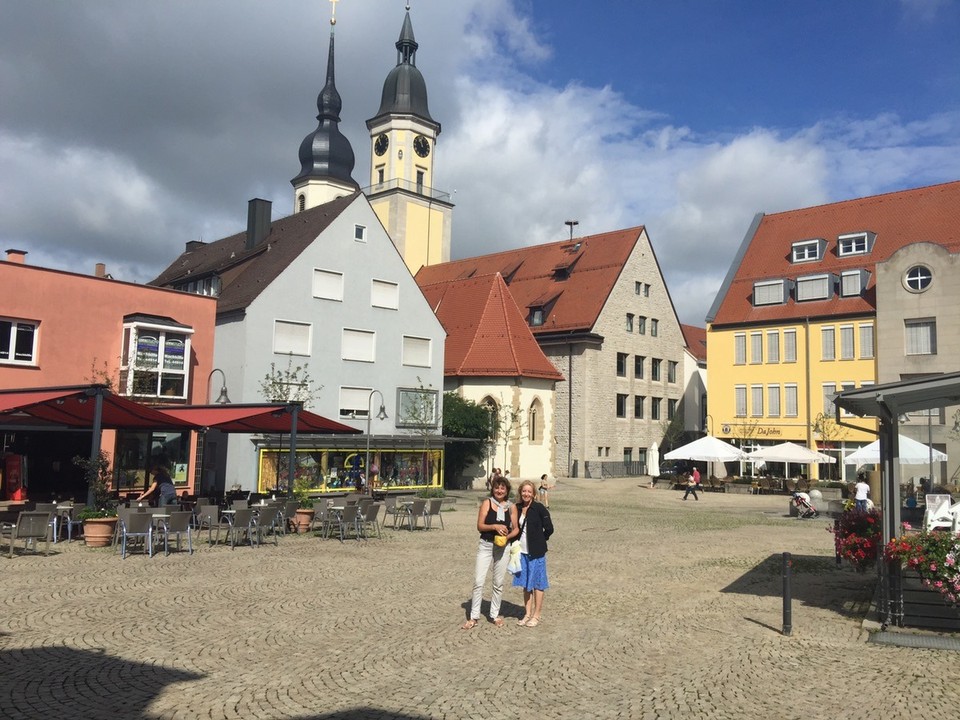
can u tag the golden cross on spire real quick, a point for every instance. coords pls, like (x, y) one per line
(333, 11)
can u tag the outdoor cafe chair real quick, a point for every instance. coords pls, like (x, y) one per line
(344, 520)
(433, 511)
(179, 523)
(138, 526)
(239, 504)
(30, 527)
(269, 520)
(289, 515)
(413, 512)
(206, 517)
(321, 513)
(390, 508)
(68, 519)
(368, 519)
(123, 513)
(239, 524)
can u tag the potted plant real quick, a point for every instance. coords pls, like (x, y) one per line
(934, 556)
(303, 517)
(100, 518)
(856, 536)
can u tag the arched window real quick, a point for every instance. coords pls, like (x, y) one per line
(301, 202)
(494, 411)
(535, 422)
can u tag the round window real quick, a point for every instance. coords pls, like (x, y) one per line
(918, 278)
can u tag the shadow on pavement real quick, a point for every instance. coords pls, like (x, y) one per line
(815, 580)
(66, 682)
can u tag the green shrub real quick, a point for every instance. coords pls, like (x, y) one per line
(432, 492)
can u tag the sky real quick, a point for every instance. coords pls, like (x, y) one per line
(128, 127)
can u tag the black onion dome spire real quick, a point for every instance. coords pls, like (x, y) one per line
(326, 153)
(404, 90)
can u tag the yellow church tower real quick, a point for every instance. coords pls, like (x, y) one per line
(403, 139)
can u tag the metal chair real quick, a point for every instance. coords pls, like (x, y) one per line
(206, 517)
(269, 520)
(30, 526)
(346, 519)
(238, 524)
(68, 519)
(390, 508)
(137, 525)
(414, 511)
(433, 511)
(321, 512)
(368, 519)
(179, 524)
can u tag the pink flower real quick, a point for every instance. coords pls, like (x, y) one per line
(938, 584)
(933, 567)
(907, 526)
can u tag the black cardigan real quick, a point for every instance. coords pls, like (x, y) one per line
(539, 528)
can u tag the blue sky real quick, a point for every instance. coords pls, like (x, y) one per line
(130, 127)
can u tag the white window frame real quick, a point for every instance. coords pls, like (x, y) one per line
(360, 233)
(138, 366)
(828, 343)
(281, 347)
(418, 408)
(354, 401)
(417, 351)
(851, 283)
(828, 389)
(920, 336)
(756, 348)
(384, 294)
(853, 244)
(768, 292)
(327, 284)
(918, 279)
(773, 346)
(358, 345)
(867, 351)
(773, 400)
(814, 287)
(847, 340)
(790, 346)
(740, 400)
(806, 250)
(17, 326)
(756, 401)
(791, 400)
(740, 349)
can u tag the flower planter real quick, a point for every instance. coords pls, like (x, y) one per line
(739, 488)
(302, 519)
(98, 532)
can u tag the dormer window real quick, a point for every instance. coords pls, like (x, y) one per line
(536, 316)
(807, 250)
(769, 292)
(814, 287)
(855, 243)
(852, 283)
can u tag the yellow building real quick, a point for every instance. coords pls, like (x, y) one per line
(403, 139)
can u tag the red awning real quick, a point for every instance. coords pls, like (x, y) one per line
(75, 407)
(264, 418)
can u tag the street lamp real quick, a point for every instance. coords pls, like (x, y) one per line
(571, 224)
(224, 399)
(382, 415)
(708, 421)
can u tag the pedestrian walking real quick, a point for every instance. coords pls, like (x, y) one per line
(693, 484)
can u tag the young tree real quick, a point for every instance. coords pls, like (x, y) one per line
(419, 413)
(468, 420)
(825, 428)
(292, 384)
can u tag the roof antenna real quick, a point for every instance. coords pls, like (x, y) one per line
(571, 224)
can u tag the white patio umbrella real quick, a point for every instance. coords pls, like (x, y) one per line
(706, 449)
(789, 452)
(653, 460)
(911, 453)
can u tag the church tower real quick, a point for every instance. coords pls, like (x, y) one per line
(326, 158)
(403, 139)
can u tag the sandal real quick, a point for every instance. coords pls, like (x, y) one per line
(532, 622)
(523, 621)
(498, 621)
(469, 625)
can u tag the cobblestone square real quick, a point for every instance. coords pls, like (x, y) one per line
(658, 608)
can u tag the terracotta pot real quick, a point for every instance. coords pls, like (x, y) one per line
(98, 532)
(302, 519)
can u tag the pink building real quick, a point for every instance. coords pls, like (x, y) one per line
(150, 344)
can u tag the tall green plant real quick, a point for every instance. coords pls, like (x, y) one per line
(467, 420)
(96, 471)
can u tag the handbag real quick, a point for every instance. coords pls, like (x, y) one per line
(513, 564)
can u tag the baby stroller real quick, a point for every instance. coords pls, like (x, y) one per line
(804, 509)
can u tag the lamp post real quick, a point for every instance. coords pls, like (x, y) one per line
(571, 224)
(223, 399)
(382, 415)
(708, 422)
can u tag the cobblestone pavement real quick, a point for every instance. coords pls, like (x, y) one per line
(657, 609)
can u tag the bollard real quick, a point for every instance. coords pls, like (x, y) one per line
(787, 597)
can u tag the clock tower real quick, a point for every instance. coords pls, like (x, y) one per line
(403, 138)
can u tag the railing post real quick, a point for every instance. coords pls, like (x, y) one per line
(787, 595)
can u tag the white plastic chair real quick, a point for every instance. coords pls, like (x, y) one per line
(939, 513)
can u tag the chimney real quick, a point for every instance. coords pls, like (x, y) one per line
(100, 270)
(17, 256)
(258, 221)
(194, 245)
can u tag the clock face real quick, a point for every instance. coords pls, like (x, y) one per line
(381, 144)
(421, 146)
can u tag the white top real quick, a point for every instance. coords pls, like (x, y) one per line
(862, 491)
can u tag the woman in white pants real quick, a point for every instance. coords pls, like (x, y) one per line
(497, 525)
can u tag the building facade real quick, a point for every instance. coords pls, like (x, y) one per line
(797, 318)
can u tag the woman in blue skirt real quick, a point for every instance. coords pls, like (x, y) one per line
(536, 527)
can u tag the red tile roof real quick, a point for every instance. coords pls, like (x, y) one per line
(696, 340)
(928, 214)
(571, 280)
(487, 334)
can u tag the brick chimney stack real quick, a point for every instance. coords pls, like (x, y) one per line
(17, 256)
(100, 270)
